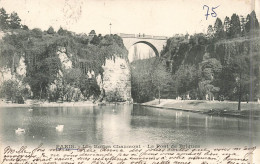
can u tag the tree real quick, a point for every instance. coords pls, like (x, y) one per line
(160, 76)
(218, 28)
(41, 73)
(10, 89)
(61, 31)
(64, 32)
(36, 32)
(241, 67)
(235, 27)
(15, 21)
(254, 20)
(50, 30)
(251, 22)
(3, 19)
(149, 78)
(141, 81)
(210, 32)
(92, 33)
(186, 79)
(243, 23)
(24, 27)
(227, 26)
(235, 78)
(248, 23)
(95, 40)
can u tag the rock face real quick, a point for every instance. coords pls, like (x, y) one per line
(16, 75)
(115, 85)
(65, 61)
(116, 80)
(70, 93)
(6, 74)
(19, 68)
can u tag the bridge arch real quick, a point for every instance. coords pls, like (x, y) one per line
(155, 42)
(150, 45)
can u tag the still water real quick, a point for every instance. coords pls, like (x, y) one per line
(124, 125)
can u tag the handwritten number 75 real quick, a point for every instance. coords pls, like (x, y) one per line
(213, 13)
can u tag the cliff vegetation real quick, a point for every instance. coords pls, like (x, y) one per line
(58, 65)
(222, 64)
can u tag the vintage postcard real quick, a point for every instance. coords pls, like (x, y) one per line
(129, 81)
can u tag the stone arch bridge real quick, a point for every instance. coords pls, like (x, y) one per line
(155, 42)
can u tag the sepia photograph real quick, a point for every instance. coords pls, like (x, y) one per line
(129, 82)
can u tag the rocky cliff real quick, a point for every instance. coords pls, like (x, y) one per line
(115, 85)
(117, 80)
(64, 66)
(215, 67)
(223, 50)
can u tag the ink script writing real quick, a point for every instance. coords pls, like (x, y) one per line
(137, 155)
(212, 12)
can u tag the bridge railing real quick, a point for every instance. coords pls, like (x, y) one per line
(142, 36)
(127, 35)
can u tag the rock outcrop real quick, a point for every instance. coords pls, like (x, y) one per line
(115, 85)
(116, 81)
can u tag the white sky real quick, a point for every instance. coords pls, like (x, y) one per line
(142, 49)
(152, 17)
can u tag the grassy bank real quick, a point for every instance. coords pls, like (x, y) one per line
(225, 108)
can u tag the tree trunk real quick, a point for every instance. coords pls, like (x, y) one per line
(159, 94)
(240, 93)
(62, 91)
(239, 102)
(41, 91)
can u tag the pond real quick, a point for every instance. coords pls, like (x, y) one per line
(124, 125)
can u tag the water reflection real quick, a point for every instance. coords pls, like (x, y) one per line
(123, 124)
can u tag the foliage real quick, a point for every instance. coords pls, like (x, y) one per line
(185, 80)
(9, 89)
(251, 22)
(149, 78)
(41, 53)
(219, 29)
(3, 19)
(50, 30)
(14, 22)
(11, 21)
(227, 27)
(221, 64)
(114, 96)
(210, 32)
(12, 90)
(235, 27)
(92, 32)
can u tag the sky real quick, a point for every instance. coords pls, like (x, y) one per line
(142, 50)
(152, 17)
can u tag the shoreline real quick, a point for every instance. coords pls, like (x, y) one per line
(214, 108)
(36, 103)
(51, 104)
